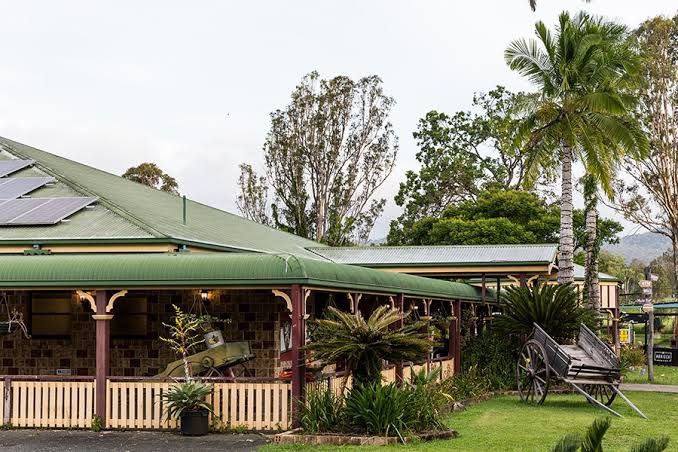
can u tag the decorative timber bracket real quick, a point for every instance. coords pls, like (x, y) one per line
(354, 301)
(93, 304)
(288, 299)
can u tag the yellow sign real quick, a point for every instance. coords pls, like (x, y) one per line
(624, 336)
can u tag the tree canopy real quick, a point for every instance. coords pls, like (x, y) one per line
(326, 155)
(150, 174)
(463, 154)
(496, 217)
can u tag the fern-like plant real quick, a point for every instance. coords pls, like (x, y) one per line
(363, 344)
(555, 308)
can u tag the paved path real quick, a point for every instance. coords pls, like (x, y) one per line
(81, 441)
(646, 387)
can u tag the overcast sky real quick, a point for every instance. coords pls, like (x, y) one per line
(189, 85)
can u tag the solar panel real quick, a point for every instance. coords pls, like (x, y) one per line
(35, 211)
(12, 166)
(13, 187)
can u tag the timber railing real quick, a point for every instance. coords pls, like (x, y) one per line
(47, 401)
(338, 381)
(251, 403)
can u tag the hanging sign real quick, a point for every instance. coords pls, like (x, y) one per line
(648, 307)
(645, 284)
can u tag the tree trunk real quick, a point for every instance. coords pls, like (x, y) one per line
(566, 248)
(674, 240)
(591, 283)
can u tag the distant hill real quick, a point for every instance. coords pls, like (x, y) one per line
(643, 247)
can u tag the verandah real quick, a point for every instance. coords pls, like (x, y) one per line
(292, 280)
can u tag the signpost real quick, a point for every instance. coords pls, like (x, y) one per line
(648, 308)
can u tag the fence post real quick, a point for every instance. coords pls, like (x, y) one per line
(7, 401)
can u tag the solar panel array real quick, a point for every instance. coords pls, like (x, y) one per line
(40, 211)
(12, 166)
(14, 187)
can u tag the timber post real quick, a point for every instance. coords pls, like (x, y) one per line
(400, 302)
(103, 350)
(457, 337)
(298, 354)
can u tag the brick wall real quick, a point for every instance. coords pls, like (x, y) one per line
(253, 316)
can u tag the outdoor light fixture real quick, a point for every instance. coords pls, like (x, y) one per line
(204, 295)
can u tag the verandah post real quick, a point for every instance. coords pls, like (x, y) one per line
(400, 302)
(102, 353)
(457, 336)
(298, 353)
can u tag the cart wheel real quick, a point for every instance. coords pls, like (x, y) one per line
(602, 393)
(532, 373)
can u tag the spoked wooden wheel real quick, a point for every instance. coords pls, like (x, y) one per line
(602, 393)
(532, 373)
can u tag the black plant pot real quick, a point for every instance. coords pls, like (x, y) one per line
(195, 422)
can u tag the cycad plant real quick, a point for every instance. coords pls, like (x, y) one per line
(555, 308)
(582, 72)
(592, 441)
(363, 344)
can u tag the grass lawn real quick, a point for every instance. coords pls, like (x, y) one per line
(663, 375)
(506, 424)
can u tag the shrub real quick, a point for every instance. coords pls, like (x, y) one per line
(494, 356)
(378, 410)
(322, 411)
(427, 399)
(470, 384)
(631, 356)
(555, 308)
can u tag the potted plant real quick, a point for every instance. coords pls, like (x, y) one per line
(186, 401)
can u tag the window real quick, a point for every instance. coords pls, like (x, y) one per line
(51, 314)
(130, 317)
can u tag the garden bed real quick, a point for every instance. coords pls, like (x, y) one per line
(297, 436)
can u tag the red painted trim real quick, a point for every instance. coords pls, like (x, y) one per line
(298, 355)
(457, 337)
(400, 302)
(103, 350)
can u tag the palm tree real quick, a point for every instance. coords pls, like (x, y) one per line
(362, 345)
(582, 72)
(533, 4)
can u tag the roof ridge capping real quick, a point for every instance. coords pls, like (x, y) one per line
(376, 247)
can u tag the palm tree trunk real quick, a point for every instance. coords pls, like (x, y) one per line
(591, 282)
(566, 248)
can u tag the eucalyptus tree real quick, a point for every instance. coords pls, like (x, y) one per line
(581, 107)
(327, 154)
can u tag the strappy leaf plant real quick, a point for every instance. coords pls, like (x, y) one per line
(363, 344)
(555, 308)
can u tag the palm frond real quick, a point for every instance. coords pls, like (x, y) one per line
(593, 438)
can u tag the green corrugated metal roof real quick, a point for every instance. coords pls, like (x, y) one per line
(580, 273)
(151, 213)
(444, 255)
(212, 270)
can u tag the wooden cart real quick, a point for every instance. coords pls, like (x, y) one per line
(590, 367)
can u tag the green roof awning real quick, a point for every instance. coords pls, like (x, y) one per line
(146, 270)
